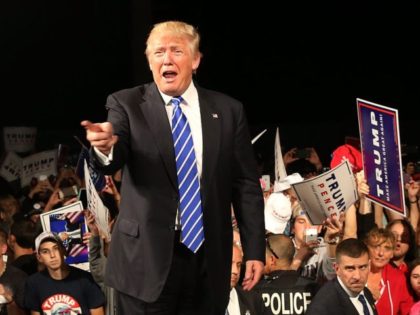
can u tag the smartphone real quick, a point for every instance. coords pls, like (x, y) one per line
(311, 235)
(302, 153)
(68, 192)
(83, 197)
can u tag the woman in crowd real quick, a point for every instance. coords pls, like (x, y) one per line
(387, 284)
(415, 285)
(405, 244)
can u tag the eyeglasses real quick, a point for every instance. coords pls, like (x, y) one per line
(269, 247)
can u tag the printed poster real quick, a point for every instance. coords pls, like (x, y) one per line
(380, 147)
(70, 225)
(328, 194)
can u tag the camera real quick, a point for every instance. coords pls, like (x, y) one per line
(67, 192)
(42, 178)
(311, 235)
(36, 209)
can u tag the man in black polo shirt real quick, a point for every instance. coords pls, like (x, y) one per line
(283, 290)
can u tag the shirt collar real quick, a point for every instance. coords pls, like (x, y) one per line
(188, 96)
(349, 293)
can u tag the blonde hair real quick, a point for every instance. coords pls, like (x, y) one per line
(378, 236)
(297, 210)
(176, 28)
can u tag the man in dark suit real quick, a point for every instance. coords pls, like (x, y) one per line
(148, 265)
(241, 302)
(347, 294)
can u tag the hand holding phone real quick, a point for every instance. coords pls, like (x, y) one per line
(68, 192)
(311, 235)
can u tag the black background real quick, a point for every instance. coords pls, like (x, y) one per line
(298, 67)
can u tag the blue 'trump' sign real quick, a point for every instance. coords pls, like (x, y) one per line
(380, 144)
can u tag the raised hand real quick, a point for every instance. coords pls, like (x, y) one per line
(362, 186)
(314, 158)
(100, 135)
(289, 156)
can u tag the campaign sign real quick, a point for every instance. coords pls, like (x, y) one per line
(380, 146)
(11, 167)
(328, 194)
(19, 139)
(41, 163)
(71, 227)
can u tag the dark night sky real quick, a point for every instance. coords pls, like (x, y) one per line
(61, 60)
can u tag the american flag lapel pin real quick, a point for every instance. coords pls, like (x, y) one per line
(215, 116)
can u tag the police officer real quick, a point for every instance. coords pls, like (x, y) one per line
(283, 290)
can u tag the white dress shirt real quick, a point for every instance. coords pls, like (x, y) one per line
(191, 108)
(355, 299)
(233, 306)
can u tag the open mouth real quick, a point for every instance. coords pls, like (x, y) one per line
(169, 74)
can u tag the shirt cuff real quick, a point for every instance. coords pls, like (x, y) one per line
(102, 158)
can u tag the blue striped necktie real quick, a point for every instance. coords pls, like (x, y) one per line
(192, 233)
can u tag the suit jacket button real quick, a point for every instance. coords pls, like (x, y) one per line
(175, 227)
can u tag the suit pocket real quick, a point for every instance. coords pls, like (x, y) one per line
(129, 227)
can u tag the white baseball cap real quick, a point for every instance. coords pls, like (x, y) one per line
(46, 236)
(287, 182)
(277, 213)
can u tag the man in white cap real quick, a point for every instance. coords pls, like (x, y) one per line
(277, 213)
(278, 208)
(285, 186)
(60, 283)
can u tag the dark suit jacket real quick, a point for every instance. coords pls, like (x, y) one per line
(143, 236)
(332, 299)
(250, 303)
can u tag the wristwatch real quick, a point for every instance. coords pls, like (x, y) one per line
(334, 241)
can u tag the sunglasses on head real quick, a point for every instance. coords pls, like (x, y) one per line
(267, 241)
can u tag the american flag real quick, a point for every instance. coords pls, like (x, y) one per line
(73, 217)
(76, 249)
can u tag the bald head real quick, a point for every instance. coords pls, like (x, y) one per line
(281, 246)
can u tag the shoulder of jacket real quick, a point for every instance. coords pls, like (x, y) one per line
(218, 96)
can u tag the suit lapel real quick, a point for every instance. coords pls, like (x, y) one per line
(157, 120)
(348, 306)
(154, 111)
(370, 299)
(210, 124)
(242, 307)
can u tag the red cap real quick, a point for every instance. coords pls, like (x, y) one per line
(349, 153)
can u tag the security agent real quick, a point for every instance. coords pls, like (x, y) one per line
(283, 290)
(347, 294)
